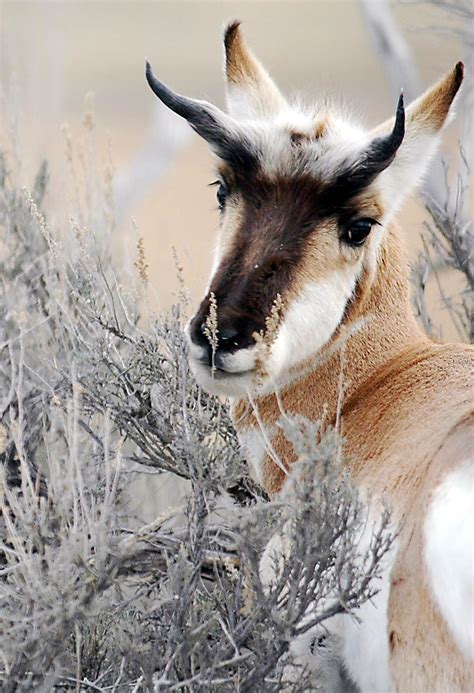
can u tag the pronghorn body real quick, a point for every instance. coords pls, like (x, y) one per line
(307, 205)
(403, 444)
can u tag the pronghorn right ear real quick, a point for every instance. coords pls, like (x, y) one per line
(424, 119)
(251, 92)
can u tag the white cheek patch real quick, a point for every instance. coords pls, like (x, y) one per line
(449, 553)
(311, 319)
(240, 361)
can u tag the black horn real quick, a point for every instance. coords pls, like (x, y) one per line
(216, 127)
(382, 150)
(376, 158)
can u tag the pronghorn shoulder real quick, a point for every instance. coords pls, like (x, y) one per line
(419, 376)
(422, 366)
(396, 423)
(442, 376)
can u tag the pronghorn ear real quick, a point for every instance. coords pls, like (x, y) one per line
(424, 120)
(251, 92)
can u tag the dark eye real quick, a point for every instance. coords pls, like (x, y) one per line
(221, 195)
(357, 231)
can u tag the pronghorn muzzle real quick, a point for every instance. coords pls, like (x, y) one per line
(220, 334)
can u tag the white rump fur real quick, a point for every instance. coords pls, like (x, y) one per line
(357, 647)
(449, 553)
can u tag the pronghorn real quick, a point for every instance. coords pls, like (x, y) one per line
(307, 203)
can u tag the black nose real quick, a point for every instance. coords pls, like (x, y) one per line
(226, 334)
(228, 337)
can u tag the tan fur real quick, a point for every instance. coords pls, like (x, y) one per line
(406, 403)
(325, 253)
(241, 66)
(244, 71)
(321, 128)
(404, 398)
(430, 110)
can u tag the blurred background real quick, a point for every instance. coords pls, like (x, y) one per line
(55, 53)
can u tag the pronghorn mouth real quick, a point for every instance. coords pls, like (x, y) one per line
(220, 373)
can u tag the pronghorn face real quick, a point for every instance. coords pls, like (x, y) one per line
(304, 197)
(288, 234)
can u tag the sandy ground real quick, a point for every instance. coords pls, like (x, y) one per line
(53, 53)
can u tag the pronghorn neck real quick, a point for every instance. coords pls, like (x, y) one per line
(382, 308)
(381, 326)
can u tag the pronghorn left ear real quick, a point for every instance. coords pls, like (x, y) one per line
(424, 120)
(251, 92)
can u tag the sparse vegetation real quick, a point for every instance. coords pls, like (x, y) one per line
(448, 240)
(94, 394)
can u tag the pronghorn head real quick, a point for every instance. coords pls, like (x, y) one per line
(304, 198)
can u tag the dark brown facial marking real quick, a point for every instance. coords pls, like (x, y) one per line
(278, 219)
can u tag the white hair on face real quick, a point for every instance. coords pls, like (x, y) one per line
(339, 147)
(312, 318)
(239, 361)
(233, 384)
